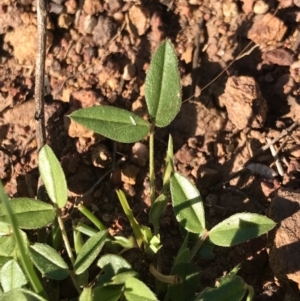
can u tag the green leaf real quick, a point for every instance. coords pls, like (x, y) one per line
(48, 261)
(3, 260)
(86, 294)
(5, 227)
(111, 264)
(121, 278)
(187, 204)
(157, 210)
(7, 245)
(12, 276)
(21, 243)
(239, 228)
(163, 91)
(30, 213)
(230, 288)
(89, 251)
(114, 123)
(124, 242)
(136, 290)
(107, 293)
(136, 227)
(21, 295)
(189, 275)
(53, 176)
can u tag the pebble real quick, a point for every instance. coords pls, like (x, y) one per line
(92, 7)
(139, 154)
(101, 156)
(55, 8)
(244, 102)
(129, 174)
(104, 30)
(65, 20)
(89, 24)
(139, 19)
(129, 72)
(71, 6)
(260, 7)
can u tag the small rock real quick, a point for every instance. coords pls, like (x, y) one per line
(92, 7)
(24, 45)
(267, 30)
(83, 99)
(101, 156)
(260, 7)
(129, 174)
(280, 56)
(247, 6)
(139, 18)
(129, 72)
(208, 177)
(64, 21)
(55, 8)
(284, 240)
(193, 142)
(71, 6)
(9, 17)
(219, 150)
(140, 154)
(129, 190)
(244, 103)
(104, 30)
(89, 24)
(286, 3)
(185, 155)
(114, 5)
(187, 55)
(76, 130)
(230, 10)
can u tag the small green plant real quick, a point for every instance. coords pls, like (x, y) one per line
(22, 263)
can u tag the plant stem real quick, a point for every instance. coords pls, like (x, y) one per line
(74, 280)
(250, 296)
(64, 236)
(151, 167)
(68, 247)
(199, 243)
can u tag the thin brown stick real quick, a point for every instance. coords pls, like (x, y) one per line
(40, 73)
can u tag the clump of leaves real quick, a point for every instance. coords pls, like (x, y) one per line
(116, 279)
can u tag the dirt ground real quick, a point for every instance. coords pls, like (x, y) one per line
(240, 73)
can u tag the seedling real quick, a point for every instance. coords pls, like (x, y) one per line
(116, 279)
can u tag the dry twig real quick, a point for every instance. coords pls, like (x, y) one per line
(40, 74)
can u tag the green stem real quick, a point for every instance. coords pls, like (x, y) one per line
(68, 247)
(65, 236)
(74, 280)
(199, 243)
(151, 167)
(86, 212)
(23, 252)
(250, 296)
